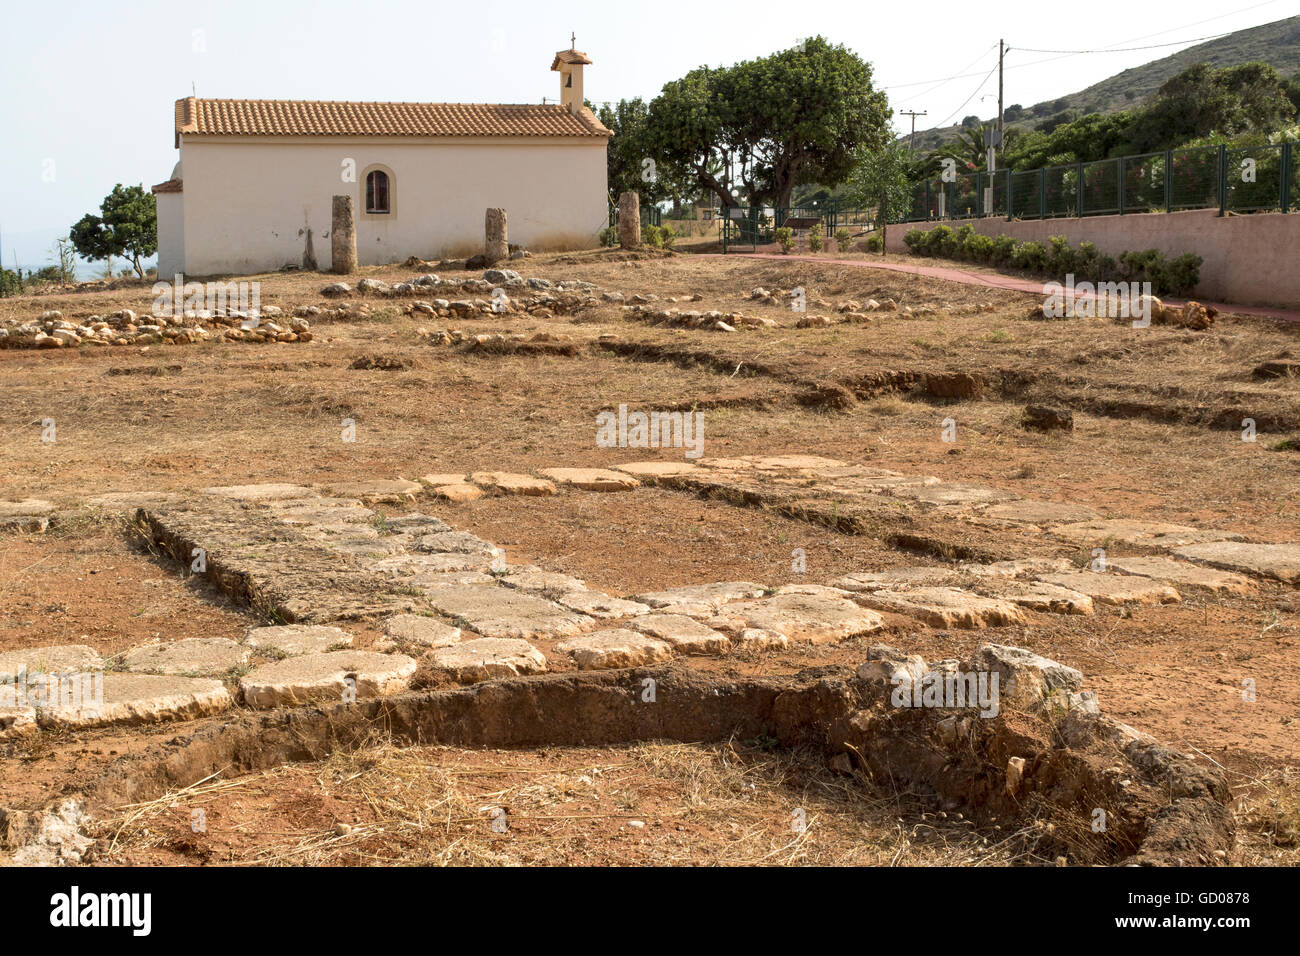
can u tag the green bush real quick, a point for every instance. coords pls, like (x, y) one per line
(914, 239)
(609, 236)
(652, 236)
(785, 236)
(980, 249)
(667, 236)
(1182, 273)
(940, 241)
(1030, 256)
(842, 240)
(816, 238)
(1060, 257)
(1004, 250)
(10, 283)
(876, 244)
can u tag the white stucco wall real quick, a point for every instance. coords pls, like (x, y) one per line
(248, 203)
(171, 234)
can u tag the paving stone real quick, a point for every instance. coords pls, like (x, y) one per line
(265, 492)
(26, 507)
(495, 611)
(685, 634)
(457, 493)
(139, 699)
(63, 658)
(810, 618)
(1106, 588)
(394, 490)
(701, 599)
(1019, 568)
(447, 579)
(1127, 531)
(656, 469)
(507, 483)
(1038, 513)
(615, 647)
(333, 514)
(404, 565)
(486, 658)
(951, 494)
(820, 589)
(760, 639)
(1281, 561)
(922, 576)
(438, 480)
(415, 524)
(130, 500)
(945, 607)
(195, 656)
(456, 542)
(325, 677)
(591, 479)
(1041, 596)
(296, 639)
(534, 580)
(600, 605)
(1182, 574)
(419, 629)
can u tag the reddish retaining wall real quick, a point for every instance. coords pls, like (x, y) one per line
(1248, 260)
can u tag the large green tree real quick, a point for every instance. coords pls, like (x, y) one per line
(127, 226)
(754, 131)
(633, 164)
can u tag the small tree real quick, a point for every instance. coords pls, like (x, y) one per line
(881, 180)
(67, 264)
(127, 226)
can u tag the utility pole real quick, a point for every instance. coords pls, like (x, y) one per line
(1001, 54)
(911, 143)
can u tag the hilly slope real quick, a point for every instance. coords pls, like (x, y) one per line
(1277, 43)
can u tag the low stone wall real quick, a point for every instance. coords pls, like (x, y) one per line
(1248, 260)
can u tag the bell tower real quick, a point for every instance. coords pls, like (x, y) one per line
(569, 63)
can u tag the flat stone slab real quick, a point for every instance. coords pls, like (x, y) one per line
(684, 634)
(1182, 574)
(16, 722)
(422, 630)
(549, 584)
(324, 513)
(438, 480)
(701, 599)
(456, 542)
(394, 490)
(139, 699)
(130, 500)
(615, 647)
(1128, 531)
(192, 657)
(591, 479)
(495, 611)
(922, 576)
(945, 607)
(656, 469)
(460, 491)
(1018, 568)
(292, 640)
(947, 494)
(810, 618)
(316, 677)
(62, 658)
(1106, 588)
(508, 483)
(447, 562)
(1041, 596)
(25, 508)
(447, 579)
(1280, 561)
(600, 605)
(1039, 513)
(486, 658)
(271, 491)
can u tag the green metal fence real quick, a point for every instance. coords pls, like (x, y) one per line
(1252, 179)
(650, 215)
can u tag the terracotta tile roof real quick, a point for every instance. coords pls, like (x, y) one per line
(570, 56)
(197, 117)
(171, 186)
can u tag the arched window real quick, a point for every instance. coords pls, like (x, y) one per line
(378, 201)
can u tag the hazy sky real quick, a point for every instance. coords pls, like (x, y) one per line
(86, 89)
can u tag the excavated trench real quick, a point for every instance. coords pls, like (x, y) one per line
(1055, 773)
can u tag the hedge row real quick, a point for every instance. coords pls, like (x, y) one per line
(1176, 276)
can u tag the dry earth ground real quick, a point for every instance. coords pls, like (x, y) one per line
(1158, 436)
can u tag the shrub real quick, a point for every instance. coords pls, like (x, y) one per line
(843, 239)
(667, 236)
(961, 241)
(876, 244)
(980, 248)
(1060, 257)
(1031, 256)
(1182, 273)
(652, 236)
(940, 241)
(914, 239)
(1004, 249)
(816, 239)
(609, 236)
(785, 236)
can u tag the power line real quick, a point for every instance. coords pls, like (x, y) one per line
(1128, 49)
(987, 76)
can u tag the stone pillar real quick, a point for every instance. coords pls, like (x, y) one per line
(343, 237)
(629, 219)
(495, 246)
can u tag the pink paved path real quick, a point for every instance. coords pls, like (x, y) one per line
(996, 281)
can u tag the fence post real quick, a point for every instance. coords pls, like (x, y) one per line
(1042, 192)
(1008, 194)
(1078, 187)
(1284, 191)
(1121, 185)
(1223, 180)
(1169, 180)
(979, 194)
